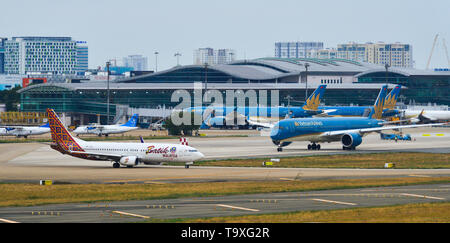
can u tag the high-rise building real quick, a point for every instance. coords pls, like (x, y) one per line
(296, 49)
(82, 57)
(2, 54)
(137, 62)
(395, 55)
(50, 55)
(328, 53)
(211, 56)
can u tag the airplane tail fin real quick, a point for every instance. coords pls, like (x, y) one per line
(391, 98)
(132, 122)
(60, 135)
(46, 125)
(377, 111)
(313, 101)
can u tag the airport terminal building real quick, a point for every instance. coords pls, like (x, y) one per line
(348, 82)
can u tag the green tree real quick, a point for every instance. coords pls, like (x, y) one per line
(10, 98)
(186, 129)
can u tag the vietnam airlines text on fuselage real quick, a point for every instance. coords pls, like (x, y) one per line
(311, 129)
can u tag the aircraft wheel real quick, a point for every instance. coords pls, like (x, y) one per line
(279, 149)
(313, 146)
(318, 147)
(116, 165)
(309, 147)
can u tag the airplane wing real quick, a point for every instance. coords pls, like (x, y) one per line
(114, 157)
(375, 129)
(325, 113)
(260, 124)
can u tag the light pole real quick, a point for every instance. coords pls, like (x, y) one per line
(156, 61)
(178, 58)
(206, 80)
(306, 81)
(107, 92)
(386, 66)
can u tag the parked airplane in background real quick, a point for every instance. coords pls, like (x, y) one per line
(23, 131)
(230, 116)
(126, 154)
(426, 116)
(348, 130)
(108, 129)
(388, 108)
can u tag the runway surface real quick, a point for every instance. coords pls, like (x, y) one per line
(31, 162)
(135, 211)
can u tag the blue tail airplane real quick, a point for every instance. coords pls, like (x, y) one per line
(230, 115)
(388, 108)
(348, 130)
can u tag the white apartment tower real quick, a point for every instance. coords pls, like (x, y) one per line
(137, 62)
(395, 55)
(211, 56)
(50, 55)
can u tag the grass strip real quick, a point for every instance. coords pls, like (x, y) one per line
(31, 194)
(402, 160)
(408, 213)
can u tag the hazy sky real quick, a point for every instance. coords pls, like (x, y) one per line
(117, 28)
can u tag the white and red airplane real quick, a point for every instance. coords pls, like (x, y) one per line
(125, 154)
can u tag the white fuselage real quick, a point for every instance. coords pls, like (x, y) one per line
(148, 153)
(23, 131)
(107, 129)
(432, 115)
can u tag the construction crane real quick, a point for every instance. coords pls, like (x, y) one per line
(432, 50)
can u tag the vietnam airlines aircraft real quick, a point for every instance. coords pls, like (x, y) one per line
(230, 116)
(388, 108)
(125, 154)
(23, 131)
(108, 129)
(348, 130)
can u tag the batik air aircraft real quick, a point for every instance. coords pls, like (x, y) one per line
(120, 154)
(348, 130)
(220, 116)
(108, 129)
(23, 131)
(388, 108)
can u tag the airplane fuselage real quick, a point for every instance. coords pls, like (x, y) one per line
(107, 129)
(23, 131)
(312, 129)
(147, 153)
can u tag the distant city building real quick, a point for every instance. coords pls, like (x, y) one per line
(2, 55)
(211, 56)
(137, 62)
(328, 53)
(396, 55)
(55, 55)
(296, 49)
(82, 57)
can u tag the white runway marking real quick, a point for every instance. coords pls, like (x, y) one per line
(8, 221)
(234, 207)
(131, 214)
(337, 202)
(422, 196)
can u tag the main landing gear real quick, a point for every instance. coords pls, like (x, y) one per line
(348, 148)
(116, 165)
(313, 146)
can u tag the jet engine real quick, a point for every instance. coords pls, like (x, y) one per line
(129, 160)
(283, 144)
(351, 140)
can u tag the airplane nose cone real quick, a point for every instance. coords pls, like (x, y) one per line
(199, 155)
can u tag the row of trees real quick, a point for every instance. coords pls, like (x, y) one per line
(10, 98)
